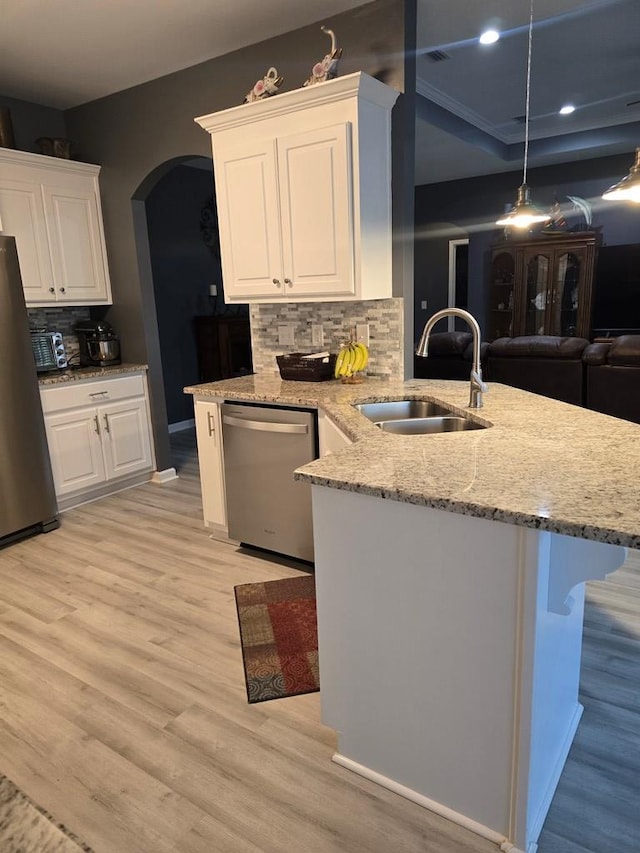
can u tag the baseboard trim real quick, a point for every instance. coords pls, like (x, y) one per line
(67, 502)
(164, 476)
(444, 811)
(180, 425)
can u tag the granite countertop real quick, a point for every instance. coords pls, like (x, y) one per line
(541, 463)
(74, 374)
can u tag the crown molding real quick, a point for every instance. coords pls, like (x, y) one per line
(358, 85)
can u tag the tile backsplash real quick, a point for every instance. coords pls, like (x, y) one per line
(338, 319)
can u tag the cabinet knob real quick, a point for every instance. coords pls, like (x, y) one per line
(276, 281)
(62, 290)
(52, 290)
(288, 282)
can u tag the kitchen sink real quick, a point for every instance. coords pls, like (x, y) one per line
(429, 425)
(396, 410)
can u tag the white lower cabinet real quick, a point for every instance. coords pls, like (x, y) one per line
(211, 462)
(99, 436)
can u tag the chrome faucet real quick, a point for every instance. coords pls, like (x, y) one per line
(477, 385)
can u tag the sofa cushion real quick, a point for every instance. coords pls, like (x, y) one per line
(625, 351)
(538, 346)
(596, 353)
(449, 343)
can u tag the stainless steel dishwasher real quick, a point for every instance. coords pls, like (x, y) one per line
(266, 507)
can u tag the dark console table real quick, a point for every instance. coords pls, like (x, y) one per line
(224, 347)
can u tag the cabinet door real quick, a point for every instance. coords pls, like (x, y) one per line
(538, 301)
(75, 235)
(22, 216)
(571, 304)
(248, 219)
(316, 198)
(503, 294)
(125, 437)
(209, 436)
(75, 448)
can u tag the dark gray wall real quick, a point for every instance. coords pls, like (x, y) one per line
(444, 211)
(31, 121)
(134, 135)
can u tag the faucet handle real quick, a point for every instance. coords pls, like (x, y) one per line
(476, 379)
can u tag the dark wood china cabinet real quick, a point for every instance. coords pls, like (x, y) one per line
(542, 285)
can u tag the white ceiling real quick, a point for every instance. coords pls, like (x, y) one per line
(583, 51)
(67, 52)
(62, 53)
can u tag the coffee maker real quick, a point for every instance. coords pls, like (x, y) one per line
(99, 345)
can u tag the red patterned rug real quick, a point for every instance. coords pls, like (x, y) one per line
(279, 637)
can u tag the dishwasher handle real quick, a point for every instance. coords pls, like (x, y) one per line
(266, 426)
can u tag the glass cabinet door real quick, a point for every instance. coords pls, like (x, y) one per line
(502, 294)
(563, 318)
(537, 294)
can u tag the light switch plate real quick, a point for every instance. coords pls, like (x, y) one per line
(423, 304)
(362, 333)
(317, 335)
(285, 336)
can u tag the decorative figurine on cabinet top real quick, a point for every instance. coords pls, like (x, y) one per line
(328, 68)
(266, 87)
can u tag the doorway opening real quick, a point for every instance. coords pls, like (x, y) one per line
(458, 278)
(200, 338)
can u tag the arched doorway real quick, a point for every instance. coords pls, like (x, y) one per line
(177, 242)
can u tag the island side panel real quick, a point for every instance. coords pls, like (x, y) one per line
(450, 654)
(418, 621)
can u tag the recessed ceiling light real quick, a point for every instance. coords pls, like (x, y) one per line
(567, 110)
(489, 37)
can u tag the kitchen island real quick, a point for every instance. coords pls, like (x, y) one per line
(450, 577)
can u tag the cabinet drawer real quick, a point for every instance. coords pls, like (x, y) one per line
(56, 398)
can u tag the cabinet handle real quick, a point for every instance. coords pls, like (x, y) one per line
(106, 423)
(289, 282)
(276, 281)
(97, 424)
(99, 394)
(52, 290)
(211, 423)
(62, 290)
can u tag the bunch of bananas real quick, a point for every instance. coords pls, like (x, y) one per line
(352, 358)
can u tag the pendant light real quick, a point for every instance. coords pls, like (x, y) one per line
(628, 189)
(524, 212)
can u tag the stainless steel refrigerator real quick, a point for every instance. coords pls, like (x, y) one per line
(27, 496)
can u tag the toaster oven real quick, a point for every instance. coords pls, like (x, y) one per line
(48, 351)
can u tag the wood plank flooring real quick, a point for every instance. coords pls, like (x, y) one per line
(123, 709)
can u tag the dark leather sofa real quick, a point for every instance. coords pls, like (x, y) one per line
(450, 356)
(543, 364)
(612, 381)
(604, 377)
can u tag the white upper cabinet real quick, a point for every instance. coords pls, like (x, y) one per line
(303, 187)
(52, 208)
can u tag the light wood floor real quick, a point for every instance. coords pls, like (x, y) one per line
(123, 709)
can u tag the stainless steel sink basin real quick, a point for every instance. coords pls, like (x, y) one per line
(401, 410)
(429, 425)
